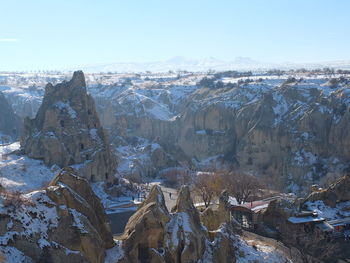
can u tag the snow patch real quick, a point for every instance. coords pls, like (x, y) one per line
(115, 253)
(66, 106)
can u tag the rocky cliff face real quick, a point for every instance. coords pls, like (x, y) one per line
(9, 121)
(64, 222)
(292, 132)
(67, 131)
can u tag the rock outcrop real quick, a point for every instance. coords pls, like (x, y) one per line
(293, 132)
(9, 121)
(67, 131)
(64, 222)
(337, 192)
(188, 236)
(155, 235)
(213, 219)
(144, 235)
(277, 213)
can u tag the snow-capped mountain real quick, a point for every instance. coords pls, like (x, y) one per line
(179, 63)
(205, 64)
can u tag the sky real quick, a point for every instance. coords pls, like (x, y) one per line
(42, 35)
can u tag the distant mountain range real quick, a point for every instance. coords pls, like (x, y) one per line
(210, 63)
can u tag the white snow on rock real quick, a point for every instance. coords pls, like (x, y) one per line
(36, 213)
(115, 253)
(339, 211)
(77, 220)
(13, 255)
(66, 107)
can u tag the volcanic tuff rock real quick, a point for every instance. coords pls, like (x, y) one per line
(64, 222)
(212, 219)
(337, 192)
(155, 235)
(9, 121)
(67, 131)
(293, 133)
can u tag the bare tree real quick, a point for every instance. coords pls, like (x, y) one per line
(177, 176)
(241, 185)
(207, 185)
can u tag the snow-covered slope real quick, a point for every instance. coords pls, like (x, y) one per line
(20, 173)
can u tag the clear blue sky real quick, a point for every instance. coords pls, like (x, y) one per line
(50, 34)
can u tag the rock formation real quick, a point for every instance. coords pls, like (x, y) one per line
(67, 131)
(155, 235)
(64, 222)
(291, 131)
(337, 192)
(212, 219)
(9, 121)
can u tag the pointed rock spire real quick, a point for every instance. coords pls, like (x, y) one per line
(67, 132)
(78, 79)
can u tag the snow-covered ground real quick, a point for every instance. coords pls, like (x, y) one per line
(13, 255)
(5, 139)
(21, 173)
(253, 251)
(341, 209)
(134, 157)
